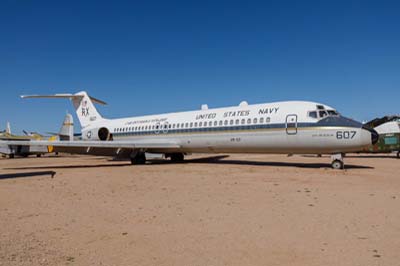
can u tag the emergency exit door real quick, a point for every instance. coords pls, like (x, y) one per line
(291, 124)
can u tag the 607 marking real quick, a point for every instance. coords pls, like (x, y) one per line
(345, 134)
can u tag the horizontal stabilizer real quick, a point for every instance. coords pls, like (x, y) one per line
(63, 96)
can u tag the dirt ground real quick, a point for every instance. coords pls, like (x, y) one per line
(211, 210)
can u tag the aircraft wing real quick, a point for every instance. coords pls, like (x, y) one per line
(102, 148)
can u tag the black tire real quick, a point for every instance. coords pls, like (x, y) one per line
(338, 164)
(177, 157)
(11, 156)
(140, 158)
(38, 155)
(398, 155)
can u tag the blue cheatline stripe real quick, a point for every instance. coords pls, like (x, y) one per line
(216, 129)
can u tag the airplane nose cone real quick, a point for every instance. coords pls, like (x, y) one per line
(374, 135)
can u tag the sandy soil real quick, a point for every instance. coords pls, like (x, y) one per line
(236, 210)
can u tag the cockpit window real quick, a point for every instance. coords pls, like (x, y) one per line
(322, 114)
(332, 112)
(313, 114)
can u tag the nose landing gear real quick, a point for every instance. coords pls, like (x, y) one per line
(138, 158)
(177, 157)
(337, 161)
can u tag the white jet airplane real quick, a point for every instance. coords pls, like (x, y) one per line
(292, 127)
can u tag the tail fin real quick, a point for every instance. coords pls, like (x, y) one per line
(67, 128)
(83, 104)
(8, 128)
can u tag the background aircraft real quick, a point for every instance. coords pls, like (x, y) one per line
(19, 148)
(295, 127)
(388, 128)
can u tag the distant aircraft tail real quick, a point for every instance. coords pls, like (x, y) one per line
(67, 128)
(8, 128)
(83, 103)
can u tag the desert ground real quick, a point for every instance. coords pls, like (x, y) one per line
(210, 210)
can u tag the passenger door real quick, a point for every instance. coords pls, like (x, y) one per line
(291, 124)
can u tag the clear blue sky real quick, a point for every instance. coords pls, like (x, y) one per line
(146, 57)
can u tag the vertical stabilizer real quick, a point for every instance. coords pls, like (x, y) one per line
(85, 109)
(8, 128)
(67, 128)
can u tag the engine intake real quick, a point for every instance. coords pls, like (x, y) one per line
(104, 134)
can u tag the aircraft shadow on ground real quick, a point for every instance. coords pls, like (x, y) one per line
(220, 159)
(69, 166)
(29, 174)
(373, 156)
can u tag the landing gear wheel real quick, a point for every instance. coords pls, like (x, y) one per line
(398, 155)
(337, 161)
(140, 158)
(11, 156)
(337, 164)
(177, 157)
(38, 155)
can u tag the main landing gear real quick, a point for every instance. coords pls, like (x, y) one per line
(337, 161)
(138, 158)
(177, 157)
(398, 155)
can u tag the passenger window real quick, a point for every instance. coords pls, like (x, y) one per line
(191, 124)
(195, 124)
(231, 122)
(226, 122)
(177, 125)
(210, 124)
(237, 121)
(243, 121)
(249, 121)
(200, 124)
(215, 123)
(261, 120)
(187, 125)
(220, 122)
(255, 121)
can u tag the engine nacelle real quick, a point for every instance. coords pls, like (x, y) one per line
(104, 134)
